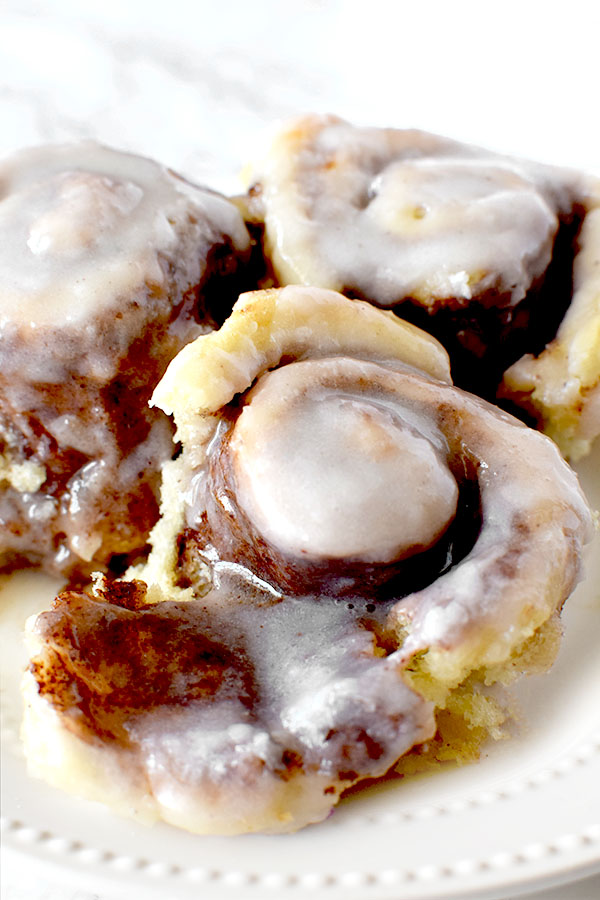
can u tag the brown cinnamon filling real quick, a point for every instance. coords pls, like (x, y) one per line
(121, 672)
(106, 660)
(486, 335)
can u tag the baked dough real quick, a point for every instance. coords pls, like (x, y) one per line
(496, 256)
(110, 263)
(297, 628)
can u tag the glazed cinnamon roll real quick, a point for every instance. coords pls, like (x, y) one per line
(346, 538)
(492, 255)
(110, 263)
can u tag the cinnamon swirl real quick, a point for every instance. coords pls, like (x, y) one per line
(495, 256)
(346, 539)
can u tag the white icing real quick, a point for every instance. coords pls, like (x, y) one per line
(454, 220)
(77, 210)
(82, 226)
(321, 693)
(535, 517)
(320, 685)
(535, 522)
(307, 452)
(328, 475)
(100, 254)
(396, 214)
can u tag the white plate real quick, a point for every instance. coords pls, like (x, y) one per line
(527, 815)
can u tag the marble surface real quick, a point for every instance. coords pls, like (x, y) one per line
(199, 86)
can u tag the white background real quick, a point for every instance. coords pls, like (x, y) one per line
(194, 84)
(199, 85)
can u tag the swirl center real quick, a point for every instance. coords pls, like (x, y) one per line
(338, 475)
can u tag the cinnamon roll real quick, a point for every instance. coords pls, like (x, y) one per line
(347, 541)
(495, 256)
(110, 263)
